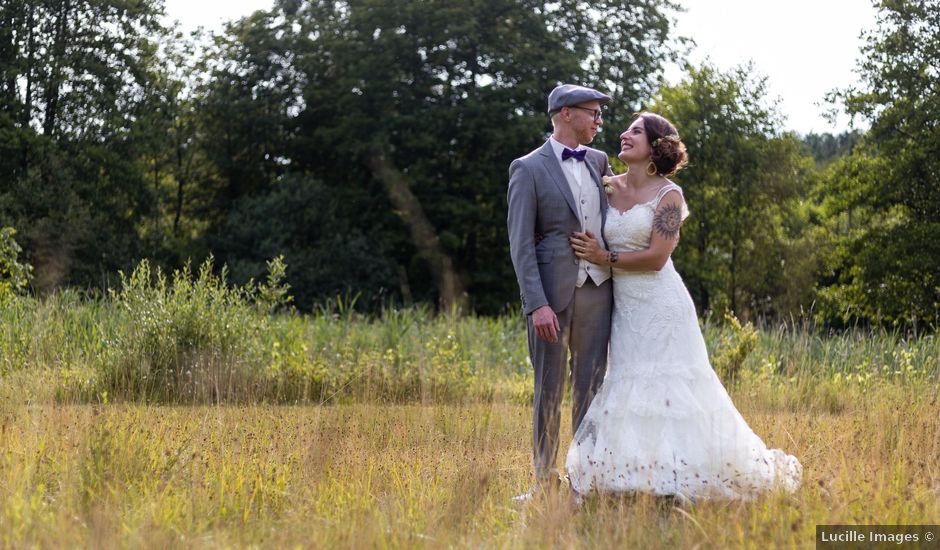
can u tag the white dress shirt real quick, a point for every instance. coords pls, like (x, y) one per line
(587, 199)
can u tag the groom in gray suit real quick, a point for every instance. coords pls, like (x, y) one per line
(554, 191)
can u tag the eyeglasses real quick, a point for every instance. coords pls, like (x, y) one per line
(598, 114)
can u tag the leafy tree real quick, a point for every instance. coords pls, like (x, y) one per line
(246, 106)
(70, 76)
(884, 267)
(827, 147)
(742, 184)
(14, 275)
(324, 253)
(413, 111)
(171, 144)
(118, 140)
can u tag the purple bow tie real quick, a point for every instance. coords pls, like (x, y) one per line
(577, 155)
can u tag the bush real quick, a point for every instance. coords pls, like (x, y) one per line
(736, 343)
(14, 276)
(192, 337)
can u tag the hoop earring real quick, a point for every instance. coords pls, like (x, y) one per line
(651, 169)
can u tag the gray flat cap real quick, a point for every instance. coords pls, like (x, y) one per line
(567, 95)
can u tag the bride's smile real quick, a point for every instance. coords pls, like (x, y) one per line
(633, 144)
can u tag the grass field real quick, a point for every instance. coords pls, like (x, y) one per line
(425, 475)
(194, 416)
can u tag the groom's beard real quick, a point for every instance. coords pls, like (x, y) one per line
(587, 137)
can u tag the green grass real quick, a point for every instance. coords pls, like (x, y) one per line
(189, 413)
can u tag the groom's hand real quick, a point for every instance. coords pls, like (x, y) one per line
(546, 324)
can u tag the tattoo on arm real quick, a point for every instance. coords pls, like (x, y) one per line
(668, 220)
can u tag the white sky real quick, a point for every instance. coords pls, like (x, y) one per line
(805, 47)
(211, 13)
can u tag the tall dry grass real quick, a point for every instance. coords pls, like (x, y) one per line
(370, 475)
(189, 412)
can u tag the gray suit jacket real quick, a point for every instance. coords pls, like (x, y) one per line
(540, 201)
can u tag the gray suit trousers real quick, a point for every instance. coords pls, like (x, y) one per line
(585, 331)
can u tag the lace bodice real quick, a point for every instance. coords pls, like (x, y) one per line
(633, 229)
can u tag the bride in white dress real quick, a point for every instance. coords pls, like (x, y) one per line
(662, 422)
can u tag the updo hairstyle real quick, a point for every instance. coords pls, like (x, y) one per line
(667, 150)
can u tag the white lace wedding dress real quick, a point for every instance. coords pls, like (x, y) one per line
(662, 422)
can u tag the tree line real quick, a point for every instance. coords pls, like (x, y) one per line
(368, 141)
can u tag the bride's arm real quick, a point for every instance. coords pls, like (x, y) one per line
(666, 223)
